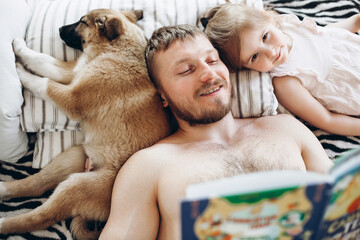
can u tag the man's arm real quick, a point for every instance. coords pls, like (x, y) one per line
(134, 213)
(352, 23)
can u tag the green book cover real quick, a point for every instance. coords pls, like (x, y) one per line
(277, 205)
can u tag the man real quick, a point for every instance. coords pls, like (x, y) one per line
(208, 144)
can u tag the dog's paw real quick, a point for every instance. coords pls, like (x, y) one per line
(24, 55)
(24, 75)
(1, 223)
(3, 191)
(18, 46)
(4, 225)
(34, 83)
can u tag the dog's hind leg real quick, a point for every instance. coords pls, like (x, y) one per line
(43, 64)
(86, 194)
(70, 161)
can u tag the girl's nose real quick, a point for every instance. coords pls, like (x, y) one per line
(270, 51)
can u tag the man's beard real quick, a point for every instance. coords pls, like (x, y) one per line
(201, 116)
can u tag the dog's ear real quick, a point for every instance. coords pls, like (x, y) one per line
(109, 27)
(134, 15)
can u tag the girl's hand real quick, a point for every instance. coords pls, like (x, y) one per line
(352, 23)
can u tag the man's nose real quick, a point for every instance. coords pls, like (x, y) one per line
(206, 72)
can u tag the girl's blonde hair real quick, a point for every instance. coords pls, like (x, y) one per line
(223, 25)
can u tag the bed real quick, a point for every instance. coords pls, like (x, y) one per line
(40, 152)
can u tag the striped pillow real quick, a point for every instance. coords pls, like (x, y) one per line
(253, 94)
(55, 132)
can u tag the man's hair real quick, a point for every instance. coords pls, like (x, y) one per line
(161, 40)
(225, 23)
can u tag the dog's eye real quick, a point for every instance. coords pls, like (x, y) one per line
(83, 22)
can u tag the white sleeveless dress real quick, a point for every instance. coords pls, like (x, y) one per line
(327, 62)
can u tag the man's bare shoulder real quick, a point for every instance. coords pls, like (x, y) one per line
(148, 163)
(283, 121)
(285, 125)
(277, 118)
(152, 155)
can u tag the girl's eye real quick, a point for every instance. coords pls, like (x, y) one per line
(265, 36)
(253, 58)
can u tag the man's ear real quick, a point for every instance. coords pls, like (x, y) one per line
(109, 27)
(163, 100)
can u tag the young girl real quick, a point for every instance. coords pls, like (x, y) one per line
(315, 70)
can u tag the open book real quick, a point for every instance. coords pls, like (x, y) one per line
(277, 205)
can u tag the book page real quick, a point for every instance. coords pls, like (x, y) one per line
(348, 162)
(342, 215)
(254, 182)
(280, 213)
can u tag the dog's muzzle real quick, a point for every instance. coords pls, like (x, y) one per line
(69, 35)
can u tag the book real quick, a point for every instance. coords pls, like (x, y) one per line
(277, 205)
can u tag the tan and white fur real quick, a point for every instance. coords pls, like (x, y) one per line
(108, 90)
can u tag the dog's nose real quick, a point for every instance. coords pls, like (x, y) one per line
(61, 29)
(61, 32)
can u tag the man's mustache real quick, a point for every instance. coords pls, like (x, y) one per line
(209, 85)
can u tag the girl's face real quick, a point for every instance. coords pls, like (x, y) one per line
(264, 48)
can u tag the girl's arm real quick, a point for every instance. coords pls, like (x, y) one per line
(352, 23)
(294, 97)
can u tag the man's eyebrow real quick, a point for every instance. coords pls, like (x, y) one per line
(185, 59)
(180, 61)
(211, 50)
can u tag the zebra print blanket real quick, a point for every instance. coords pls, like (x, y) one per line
(19, 170)
(323, 12)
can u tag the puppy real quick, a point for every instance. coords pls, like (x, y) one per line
(108, 90)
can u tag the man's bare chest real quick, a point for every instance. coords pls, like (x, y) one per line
(199, 162)
(203, 162)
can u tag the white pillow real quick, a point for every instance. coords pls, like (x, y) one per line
(42, 35)
(14, 18)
